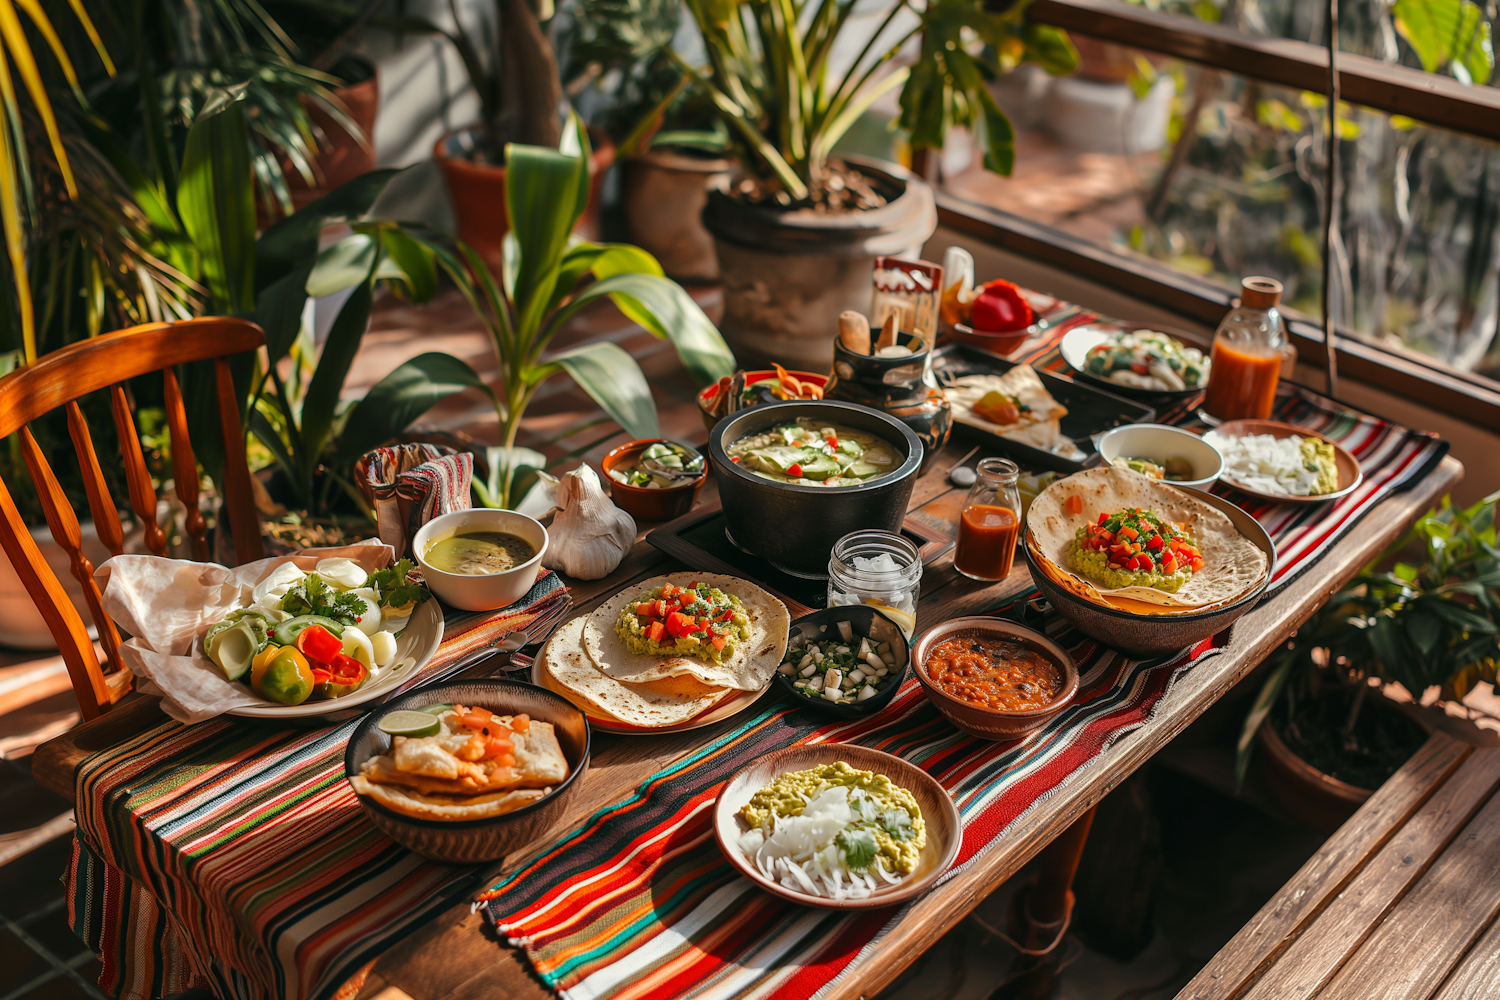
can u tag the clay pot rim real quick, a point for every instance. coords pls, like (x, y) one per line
(601, 156)
(1271, 741)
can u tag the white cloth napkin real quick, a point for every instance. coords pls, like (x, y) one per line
(167, 604)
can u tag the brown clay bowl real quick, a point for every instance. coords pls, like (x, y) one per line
(989, 723)
(1350, 474)
(751, 378)
(944, 831)
(468, 842)
(643, 504)
(1001, 343)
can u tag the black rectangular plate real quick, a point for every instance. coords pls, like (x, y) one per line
(1090, 411)
(697, 539)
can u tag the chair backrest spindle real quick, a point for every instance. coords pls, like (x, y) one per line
(59, 380)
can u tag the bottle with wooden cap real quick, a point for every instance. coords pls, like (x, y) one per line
(1246, 361)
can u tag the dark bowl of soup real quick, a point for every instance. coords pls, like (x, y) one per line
(796, 477)
(480, 559)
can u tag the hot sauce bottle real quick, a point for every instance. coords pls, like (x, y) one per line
(1246, 361)
(990, 522)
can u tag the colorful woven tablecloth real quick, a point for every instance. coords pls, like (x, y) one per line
(638, 903)
(233, 856)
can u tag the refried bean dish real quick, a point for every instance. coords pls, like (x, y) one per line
(993, 673)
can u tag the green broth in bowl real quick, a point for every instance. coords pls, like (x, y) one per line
(808, 452)
(478, 553)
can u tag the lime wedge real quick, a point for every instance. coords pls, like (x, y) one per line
(410, 724)
(436, 709)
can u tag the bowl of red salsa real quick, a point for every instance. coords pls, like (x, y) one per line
(993, 678)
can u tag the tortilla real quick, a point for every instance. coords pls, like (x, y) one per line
(567, 669)
(1039, 427)
(1064, 579)
(749, 668)
(451, 808)
(1233, 564)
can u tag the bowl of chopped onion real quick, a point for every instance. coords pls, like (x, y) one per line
(846, 661)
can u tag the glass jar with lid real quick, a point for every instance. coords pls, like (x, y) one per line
(1246, 361)
(989, 522)
(880, 568)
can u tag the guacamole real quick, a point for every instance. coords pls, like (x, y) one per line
(1135, 548)
(883, 812)
(1317, 456)
(699, 621)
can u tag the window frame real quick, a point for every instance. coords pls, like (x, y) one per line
(1427, 97)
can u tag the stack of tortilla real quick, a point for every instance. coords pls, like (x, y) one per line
(1039, 427)
(588, 663)
(1232, 564)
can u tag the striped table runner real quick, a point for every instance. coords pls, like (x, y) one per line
(234, 857)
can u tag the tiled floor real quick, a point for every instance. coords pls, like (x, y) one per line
(40, 958)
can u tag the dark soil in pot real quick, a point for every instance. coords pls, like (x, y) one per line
(1383, 739)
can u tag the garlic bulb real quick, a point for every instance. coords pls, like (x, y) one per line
(590, 535)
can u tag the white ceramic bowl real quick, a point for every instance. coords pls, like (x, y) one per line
(1159, 442)
(469, 592)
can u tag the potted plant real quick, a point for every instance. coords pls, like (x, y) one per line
(550, 280)
(1428, 631)
(668, 140)
(798, 230)
(513, 70)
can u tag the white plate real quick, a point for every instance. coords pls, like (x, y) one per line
(417, 644)
(1077, 343)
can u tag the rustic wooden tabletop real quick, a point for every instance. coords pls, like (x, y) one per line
(457, 957)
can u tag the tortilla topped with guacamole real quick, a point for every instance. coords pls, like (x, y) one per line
(719, 630)
(1080, 529)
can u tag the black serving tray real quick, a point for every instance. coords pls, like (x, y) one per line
(698, 541)
(1091, 411)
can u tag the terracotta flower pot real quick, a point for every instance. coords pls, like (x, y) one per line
(341, 158)
(1319, 800)
(663, 198)
(477, 191)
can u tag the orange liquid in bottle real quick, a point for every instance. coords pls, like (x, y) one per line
(986, 541)
(1241, 385)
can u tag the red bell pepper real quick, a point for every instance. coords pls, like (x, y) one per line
(678, 624)
(999, 307)
(317, 643)
(794, 470)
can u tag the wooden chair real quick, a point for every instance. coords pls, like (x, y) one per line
(59, 380)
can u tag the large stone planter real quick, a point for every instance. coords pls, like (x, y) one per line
(788, 274)
(663, 198)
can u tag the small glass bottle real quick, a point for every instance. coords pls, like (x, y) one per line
(1247, 354)
(989, 522)
(880, 568)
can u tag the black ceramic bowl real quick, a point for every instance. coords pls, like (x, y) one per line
(864, 621)
(795, 526)
(477, 840)
(1156, 634)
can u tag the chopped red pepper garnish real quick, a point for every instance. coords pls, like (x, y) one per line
(1075, 504)
(794, 470)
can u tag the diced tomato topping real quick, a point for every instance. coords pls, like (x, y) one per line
(1169, 562)
(678, 624)
(646, 610)
(655, 631)
(1139, 367)
(1128, 532)
(687, 598)
(794, 470)
(506, 760)
(1155, 543)
(1103, 516)
(521, 723)
(496, 746)
(718, 641)
(734, 458)
(1075, 504)
(667, 590)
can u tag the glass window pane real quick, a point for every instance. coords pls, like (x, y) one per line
(1222, 176)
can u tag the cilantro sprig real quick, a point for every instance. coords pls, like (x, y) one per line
(314, 597)
(394, 587)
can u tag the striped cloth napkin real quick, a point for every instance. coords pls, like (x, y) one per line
(410, 484)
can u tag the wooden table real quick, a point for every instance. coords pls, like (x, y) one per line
(1399, 904)
(457, 957)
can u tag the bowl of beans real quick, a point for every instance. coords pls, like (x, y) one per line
(845, 661)
(992, 678)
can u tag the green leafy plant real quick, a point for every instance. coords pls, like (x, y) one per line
(547, 279)
(768, 74)
(1437, 623)
(1448, 36)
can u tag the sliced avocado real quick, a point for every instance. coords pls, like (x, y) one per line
(233, 649)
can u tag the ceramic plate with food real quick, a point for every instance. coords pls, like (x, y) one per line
(675, 651)
(312, 642)
(837, 826)
(1015, 406)
(1122, 540)
(462, 762)
(1136, 360)
(1283, 463)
